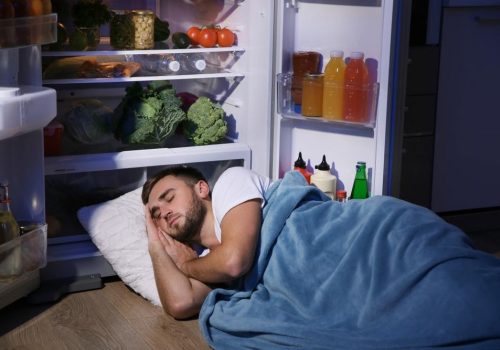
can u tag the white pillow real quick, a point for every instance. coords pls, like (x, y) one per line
(118, 229)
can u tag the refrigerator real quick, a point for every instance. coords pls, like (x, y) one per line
(265, 131)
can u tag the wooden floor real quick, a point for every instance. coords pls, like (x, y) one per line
(109, 318)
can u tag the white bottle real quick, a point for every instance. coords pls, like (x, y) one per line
(192, 63)
(324, 180)
(168, 64)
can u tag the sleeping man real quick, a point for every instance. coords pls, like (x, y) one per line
(280, 265)
(182, 214)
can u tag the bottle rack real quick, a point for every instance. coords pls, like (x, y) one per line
(289, 111)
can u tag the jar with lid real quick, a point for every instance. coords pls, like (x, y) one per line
(312, 95)
(143, 29)
(121, 30)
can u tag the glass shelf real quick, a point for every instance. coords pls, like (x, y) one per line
(145, 157)
(105, 49)
(103, 66)
(24, 31)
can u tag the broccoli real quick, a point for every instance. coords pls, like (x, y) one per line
(149, 115)
(205, 122)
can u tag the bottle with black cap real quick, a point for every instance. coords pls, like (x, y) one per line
(323, 179)
(301, 167)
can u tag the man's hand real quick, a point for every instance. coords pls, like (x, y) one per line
(179, 252)
(157, 239)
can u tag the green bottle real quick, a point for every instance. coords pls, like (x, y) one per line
(360, 186)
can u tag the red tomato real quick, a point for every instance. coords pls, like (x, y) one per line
(208, 37)
(225, 37)
(194, 33)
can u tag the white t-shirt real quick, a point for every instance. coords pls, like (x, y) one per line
(235, 186)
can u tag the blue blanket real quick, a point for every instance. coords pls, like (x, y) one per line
(374, 274)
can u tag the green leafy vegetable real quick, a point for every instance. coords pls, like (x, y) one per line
(205, 122)
(149, 115)
(88, 122)
(90, 13)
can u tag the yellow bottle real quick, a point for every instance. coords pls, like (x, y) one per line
(333, 86)
(10, 248)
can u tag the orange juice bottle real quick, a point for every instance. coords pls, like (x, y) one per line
(356, 89)
(333, 86)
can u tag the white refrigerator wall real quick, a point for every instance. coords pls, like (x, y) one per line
(323, 26)
(246, 100)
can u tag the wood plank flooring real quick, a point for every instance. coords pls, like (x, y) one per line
(108, 318)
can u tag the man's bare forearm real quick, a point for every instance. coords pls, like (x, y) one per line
(180, 296)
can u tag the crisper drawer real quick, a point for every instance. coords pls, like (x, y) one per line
(66, 193)
(23, 257)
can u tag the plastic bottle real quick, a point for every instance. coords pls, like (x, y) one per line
(191, 63)
(333, 86)
(356, 89)
(341, 196)
(168, 64)
(10, 259)
(360, 186)
(300, 166)
(323, 179)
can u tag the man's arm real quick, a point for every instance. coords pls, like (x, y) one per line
(181, 297)
(234, 257)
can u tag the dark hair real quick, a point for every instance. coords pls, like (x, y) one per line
(188, 174)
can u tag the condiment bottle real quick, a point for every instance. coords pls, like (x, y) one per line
(356, 83)
(360, 186)
(342, 196)
(300, 166)
(10, 263)
(333, 86)
(323, 179)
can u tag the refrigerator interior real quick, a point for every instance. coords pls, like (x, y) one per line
(241, 78)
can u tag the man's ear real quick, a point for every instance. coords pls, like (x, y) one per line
(202, 189)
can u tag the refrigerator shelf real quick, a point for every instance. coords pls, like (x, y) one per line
(24, 109)
(319, 120)
(106, 50)
(145, 158)
(225, 74)
(24, 31)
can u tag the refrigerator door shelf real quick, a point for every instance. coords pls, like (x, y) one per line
(24, 31)
(31, 249)
(147, 158)
(31, 109)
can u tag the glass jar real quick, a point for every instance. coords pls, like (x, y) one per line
(312, 95)
(143, 29)
(121, 30)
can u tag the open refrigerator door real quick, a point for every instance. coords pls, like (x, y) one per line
(25, 108)
(321, 27)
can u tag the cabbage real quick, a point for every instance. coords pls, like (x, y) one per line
(88, 122)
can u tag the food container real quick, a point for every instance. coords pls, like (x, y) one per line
(143, 29)
(312, 95)
(121, 30)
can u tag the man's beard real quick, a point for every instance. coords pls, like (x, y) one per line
(193, 221)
